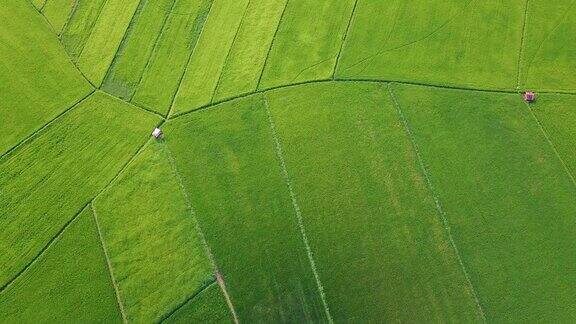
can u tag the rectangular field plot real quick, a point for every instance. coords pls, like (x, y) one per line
(155, 250)
(435, 41)
(78, 29)
(381, 250)
(209, 306)
(68, 283)
(38, 82)
(549, 54)
(177, 41)
(209, 56)
(248, 53)
(227, 159)
(135, 52)
(48, 180)
(506, 195)
(105, 37)
(307, 43)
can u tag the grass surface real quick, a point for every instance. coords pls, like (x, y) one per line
(441, 42)
(209, 306)
(308, 42)
(511, 205)
(228, 163)
(47, 181)
(36, 83)
(372, 223)
(68, 283)
(149, 233)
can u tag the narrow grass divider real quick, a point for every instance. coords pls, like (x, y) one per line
(521, 50)
(199, 231)
(344, 40)
(439, 207)
(109, 264)
(298, 213)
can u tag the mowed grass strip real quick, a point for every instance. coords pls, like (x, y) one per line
(557, 115)
(549, 59)
(210, 54)
(68, 283)
(156, 253)
(381, 250)
(134, 54)
(209, 306)
(164, 72)
(248, 52)
(307, 43)
(57, 12)
(506, 196)
(45, 182)
(78, 29)
(437, 41)
(227, 159)
(105, 38)
(37, 82)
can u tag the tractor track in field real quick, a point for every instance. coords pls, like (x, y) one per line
(439, 208)
(522, 45)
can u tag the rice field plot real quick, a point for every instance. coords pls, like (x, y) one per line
(137, 48)
(506, 196)
(549, 53)
(209, 306)
(155, 251)
(439, 42)
(105, 37)
(209, 56)
(58, 12)
(373, 226)
(38, 82)
(80, 25)
(49, 180)
(557, 115)
(39, 4)
(307, 43)
(247, 55)
(227, 159)
(69, 282)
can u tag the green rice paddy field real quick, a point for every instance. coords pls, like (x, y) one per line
(347, 161)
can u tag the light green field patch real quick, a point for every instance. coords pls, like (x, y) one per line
(149, 232)
(209, 306)
(37, 82)
(308, 41)
(373, 225)
(557, 114)
(437, 41)
(226, 157)
(134, 54)
(168, 62)
(506, 196)
(209, 56)
(105, 38)
(248, 53)
(68, 283)
(57, 12)
(549, 59)
(39, 4)
(78, 29)
(45, 182)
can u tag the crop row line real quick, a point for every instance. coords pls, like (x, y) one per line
(344, 40)
(297, 211)
(173, 101)
(271, 45)
(188, 299)
(198, 228)
(109, 265)
(50, 243)
(434, 195)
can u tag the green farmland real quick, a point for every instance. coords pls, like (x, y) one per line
(327, 161)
